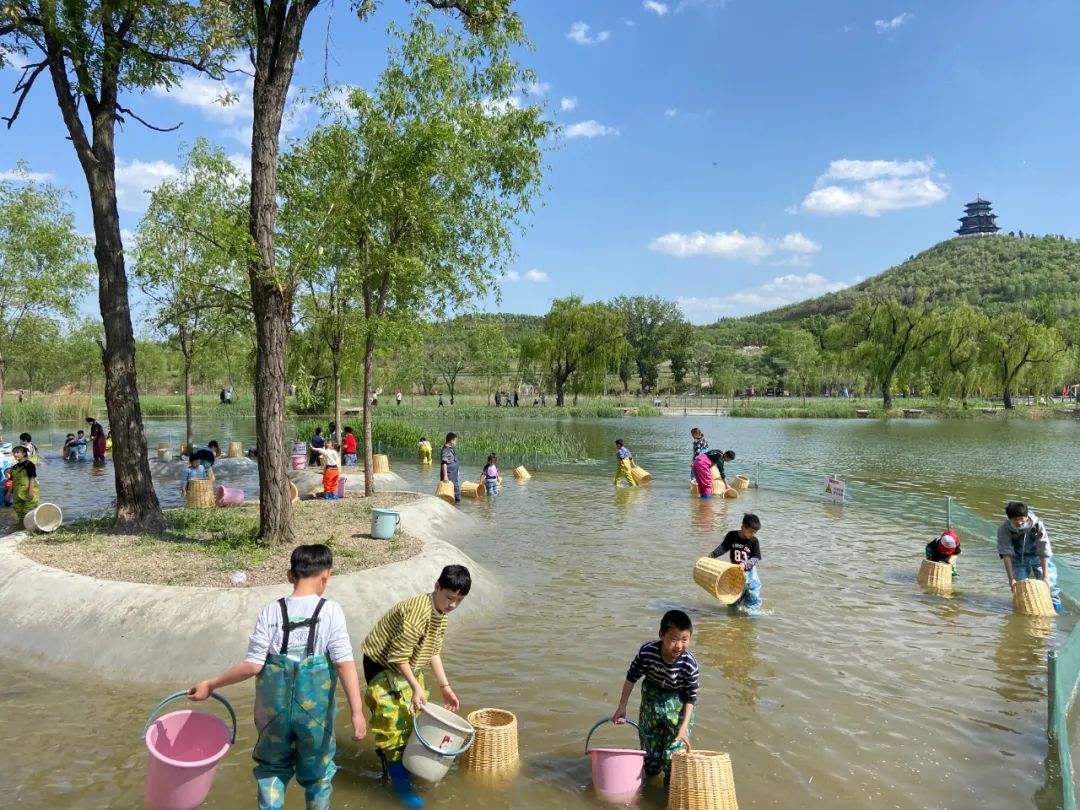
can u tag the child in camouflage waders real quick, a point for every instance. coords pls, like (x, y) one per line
(299, 649)
(24, 485)
(668, 693)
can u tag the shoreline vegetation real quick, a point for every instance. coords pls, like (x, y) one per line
(206, 547)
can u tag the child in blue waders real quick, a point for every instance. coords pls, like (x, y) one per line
(744, 550)
(299, 649)
(406, 639)
(1024, 547)
(668, 693)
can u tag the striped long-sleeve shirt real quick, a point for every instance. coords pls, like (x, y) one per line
(681, 675)
(410, 632)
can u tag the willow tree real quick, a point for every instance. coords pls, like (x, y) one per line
(1023, 344)
(427, 178)
(93, 55)
(191, 250)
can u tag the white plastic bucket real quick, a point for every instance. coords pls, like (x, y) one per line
(164, 453)
(45, 518)
(438, 737)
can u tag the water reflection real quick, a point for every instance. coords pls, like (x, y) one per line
(1020, 657)
(730, 645)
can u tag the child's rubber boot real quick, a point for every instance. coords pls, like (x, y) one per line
(399, 780)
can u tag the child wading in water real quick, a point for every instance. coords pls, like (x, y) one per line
(423, 450)
(624, 460)
(299, 649)
(1024, 547)
(700, 446)
(490, 476)
(745, 551)
(331, 472)
(944, 549)
(668, 693)
(24, 485)
(194, 472)
(717, 458)
(406, 639)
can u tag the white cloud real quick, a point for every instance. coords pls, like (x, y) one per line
(671, 112)
(537, 88)
(777, 292)
(579, 34)
(888, 25)
(499, 106)
(660, 9)
(568, 103)
(731, 245)
(872, 187)
(227, 101)
(136, 178)
(21, 175)
(588, 129)
(511, 275)
(538, 276)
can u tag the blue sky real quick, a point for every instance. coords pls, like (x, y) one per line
(732, 155)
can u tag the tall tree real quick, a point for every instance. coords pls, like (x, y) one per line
(191, 249)
(447, 355)
(577, 346)
(94, 53)
(428, 179)
(1021, 343)
(797, 354)
(887, 334)
(959, 350)
(652, 326)
(489, 355)
(43, 267)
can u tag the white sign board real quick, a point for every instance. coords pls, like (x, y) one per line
(834, 489)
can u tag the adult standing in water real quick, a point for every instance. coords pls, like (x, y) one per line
(448, 465)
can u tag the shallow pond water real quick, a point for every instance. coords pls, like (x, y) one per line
(853, 689)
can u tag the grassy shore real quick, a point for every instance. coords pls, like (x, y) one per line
(207, 546)
(792, 408)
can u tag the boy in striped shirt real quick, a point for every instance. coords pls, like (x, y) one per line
(406, 639)
(668, 693)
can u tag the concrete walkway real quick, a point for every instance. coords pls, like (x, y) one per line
(178, 634)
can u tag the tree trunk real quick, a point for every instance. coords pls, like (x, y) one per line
(279, 29)
(335, 359)
(1006, 397)
(136, 502)
(560, 393)
(369, 373)
(3, 378)
(187, 403)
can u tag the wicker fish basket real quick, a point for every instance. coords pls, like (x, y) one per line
(936, 576)
(731, 492)
(1031, 597)
(723, 580)
(236, 450)
(715, 473)
(471, 489)
(445, 490)
(164, 446)
(294, 493)
(380, 463)
(164, 453)
(742, 482)
(200, 494)
(521, 474)
(641, 475)
(495, 748)
(694, 489)
(702, 780)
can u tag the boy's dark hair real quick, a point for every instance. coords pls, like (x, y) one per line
(423, 438)
(213, 444)
(751, 521)
(310, 560)
(90, 420)
(1015, 509)
(619, 442)
(729, 455)
(348, 430)
(456, 578)
(450, 437)
(25, 437)
(675, 619)
(81, 431)
(18, 448)
(318, 431)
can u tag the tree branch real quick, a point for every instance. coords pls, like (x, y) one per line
(22, 87)
(146, 124)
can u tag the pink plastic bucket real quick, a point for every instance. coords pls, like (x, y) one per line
(299, 462)
(616, 772)
(184, 750)
(341, 487)
(227, 496)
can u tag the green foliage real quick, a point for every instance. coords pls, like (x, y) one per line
(510, 444)
(652, 327)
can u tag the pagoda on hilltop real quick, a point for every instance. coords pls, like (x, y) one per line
(977, 220)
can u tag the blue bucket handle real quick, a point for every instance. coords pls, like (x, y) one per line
(434, 750)
(177, 696)
(628, 721)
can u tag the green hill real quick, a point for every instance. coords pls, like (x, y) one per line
(984, 271)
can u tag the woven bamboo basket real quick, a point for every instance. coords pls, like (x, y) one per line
(164, 453)
(641, 475)
(445, 490)
(1031, 597)
(694, 488)
(294, 493)
(200, 494)
(731, 492)
(742, 482)
(723, 580)
(702, 780)
(715, 473)
(236, 450)
(495, 748)
(521, 474)
(936, 576)
(164, 446)
(471, 489)
(380, 463)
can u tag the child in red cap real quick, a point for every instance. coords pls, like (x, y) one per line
(944, 549)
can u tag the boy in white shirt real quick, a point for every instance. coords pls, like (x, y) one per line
(299, 648)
